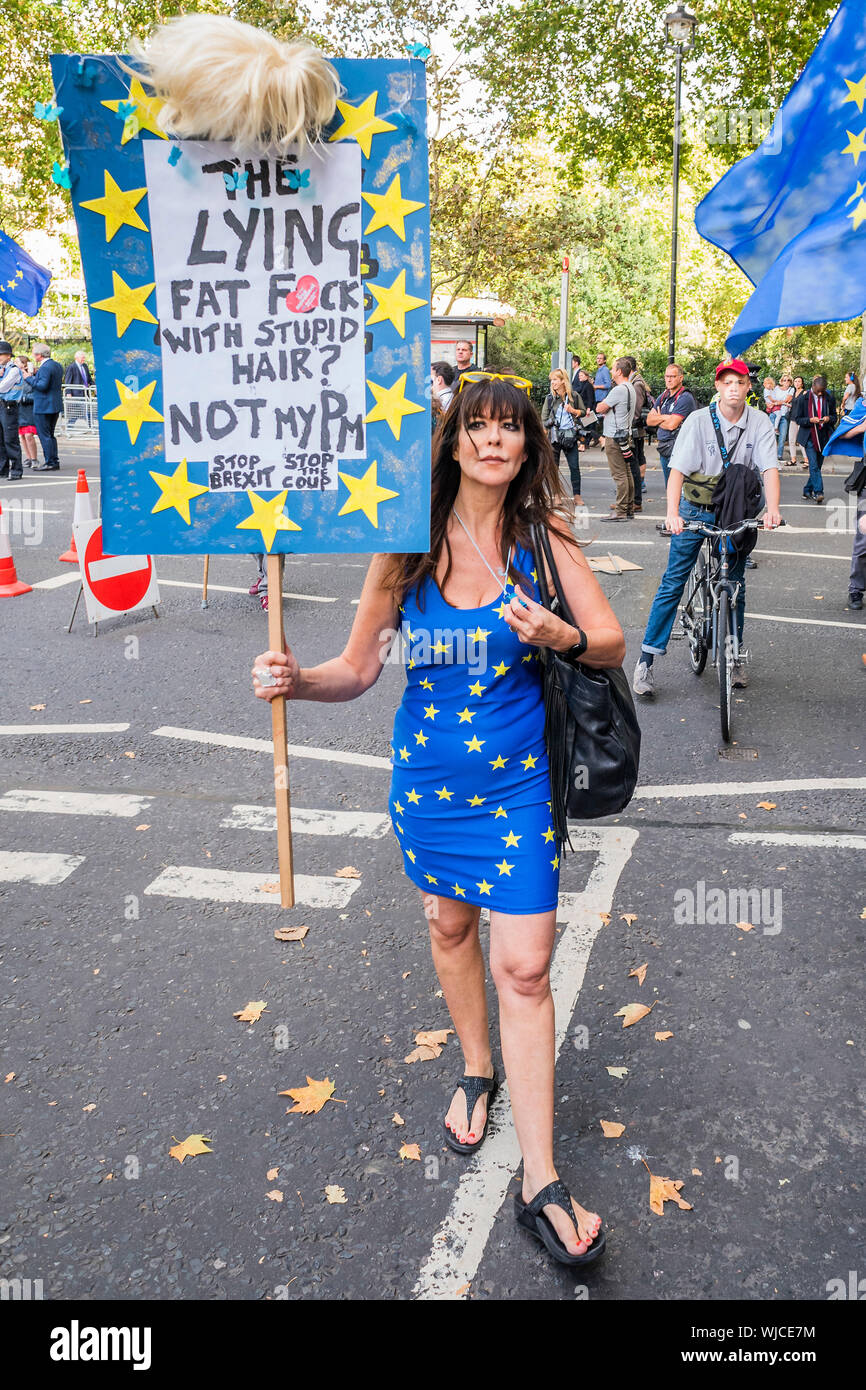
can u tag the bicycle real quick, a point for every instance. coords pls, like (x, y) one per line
(709, 608)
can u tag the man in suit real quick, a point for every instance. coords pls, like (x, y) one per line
(10, 395)
(814, 414)
(46, 384)
(78, 374)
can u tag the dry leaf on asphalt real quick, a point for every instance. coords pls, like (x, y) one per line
(663, 1037)
(270, 888)
(437, 1038)
(696, 1173)
(335, 1194)
(619, 1072)
(633, 1013)
(192, 1145)
(745, 926)
(397, 1119)
(310, 1098)
(348, 872)
(666, 1190)
(767, 805)
(628, 917)
(10, 1076)
(410, 1151)
(290, 933)
(275, 1195)
(272, 1174)
(88, 1108)
(37, 706)
(743, 816)
(639, 973)
(605, 917)
(612, 1128)
(425, 1053)
(223, 1076)
(129, 754)
(85, 702)
(251, 1012)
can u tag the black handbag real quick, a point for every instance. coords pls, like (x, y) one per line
(590, 724)
(856, 480)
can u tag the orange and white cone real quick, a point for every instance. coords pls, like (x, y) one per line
(10, 585)
(83, 512)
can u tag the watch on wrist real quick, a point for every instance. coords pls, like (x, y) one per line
(574, 653)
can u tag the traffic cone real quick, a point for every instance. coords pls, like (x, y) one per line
(83, 512)
(10, 584)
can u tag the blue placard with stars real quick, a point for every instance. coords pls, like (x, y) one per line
(261, 325)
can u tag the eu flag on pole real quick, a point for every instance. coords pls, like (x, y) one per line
(23, 281)
(793, 214)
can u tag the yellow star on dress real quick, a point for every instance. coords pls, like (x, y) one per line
(499, 812)
(176, 491)
(554, 863)
(528, 762)
(398, 808)
(361, 123)
(466, 715)
(548, 834)
(126, 303)
(147, 109)
(441, 649)
(856, 144)
(421, 738)
(391, 405)
(461, 892)
(365, 494)
(404, 754)
(477, 688)
(410, 854)
(393, 303)
(431, 879)
(511, 840)
(425, 684)
(500, 669)
(505, 868)
(856, 92)
(134, 409)
(117, 206)
(480, 635)
(476, 800)
(499, 761)
(430, 711)
(443, 793)
(390, 209)
(413, 796)
(484, 886)
(267, 516)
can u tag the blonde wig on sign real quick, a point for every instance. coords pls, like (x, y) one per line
(224, 80)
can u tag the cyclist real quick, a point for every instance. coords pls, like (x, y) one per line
(705, 446)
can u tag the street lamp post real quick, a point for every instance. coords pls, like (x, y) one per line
(680, 28)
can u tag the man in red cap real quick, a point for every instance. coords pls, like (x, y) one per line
(708, 441)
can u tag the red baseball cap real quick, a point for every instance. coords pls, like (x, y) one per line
(738, 366)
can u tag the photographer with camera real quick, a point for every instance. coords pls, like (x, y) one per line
(618, 412)
(642, 409)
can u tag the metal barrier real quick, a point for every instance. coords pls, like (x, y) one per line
(79, 410)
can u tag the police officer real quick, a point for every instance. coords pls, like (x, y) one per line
(11, 391)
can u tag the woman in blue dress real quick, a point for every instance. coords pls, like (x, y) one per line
(470, 790)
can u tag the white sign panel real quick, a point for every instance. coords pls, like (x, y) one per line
(261, 311)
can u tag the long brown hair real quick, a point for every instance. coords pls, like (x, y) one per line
(532, 495)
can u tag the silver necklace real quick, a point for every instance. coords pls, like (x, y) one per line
(498, 575)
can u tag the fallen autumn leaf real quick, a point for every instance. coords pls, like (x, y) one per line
(612, 1129)
(639, 973)
(633, 1013)
(290, 933)
(410, 1151)
(663, 1037)
(335, 1194)
(348, 872)
(310, 1098)
(192, 1145)
(666, 1190)
(251, 1012)
(619, 1072)
(275, 1195)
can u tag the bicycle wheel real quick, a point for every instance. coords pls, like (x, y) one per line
(724, 655)
(694, 617)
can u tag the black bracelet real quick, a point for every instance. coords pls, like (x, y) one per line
(576, 652)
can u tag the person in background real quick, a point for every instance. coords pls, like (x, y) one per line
(463, 354)
(618, 411)
(769, 400)
(26, 426)
(793, 428)
(589, 422)
(442, 382)
(642, 405)
(603, 381)
(78, 375)
(11, 380)
(852, 393)
(559, 416)
(815, 413)
(783, 395)
(668, 413)
(46, 383)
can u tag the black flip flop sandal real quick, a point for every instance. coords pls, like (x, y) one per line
(531, 1217)
(473, 1087)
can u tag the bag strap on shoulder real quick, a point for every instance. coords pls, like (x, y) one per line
(543, 554)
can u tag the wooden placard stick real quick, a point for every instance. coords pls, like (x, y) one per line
(204, 581)
(278, 729)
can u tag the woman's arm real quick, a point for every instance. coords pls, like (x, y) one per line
(359, 665)
(537, 627)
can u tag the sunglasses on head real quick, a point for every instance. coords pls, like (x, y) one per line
(472, 377)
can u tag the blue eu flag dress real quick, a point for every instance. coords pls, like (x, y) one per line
(470, 790)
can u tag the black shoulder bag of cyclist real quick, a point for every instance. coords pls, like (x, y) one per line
(590, 725)
(737, 494)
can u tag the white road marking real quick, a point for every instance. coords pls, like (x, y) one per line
(225, 886)
(23, 866)
(264, 745)
(459, 1243)
(75, 803)
(793, 784)
(804, 622)
(63, 728)
(233, 589)
(112, 566)
(757, 837)
(354, 824)
(805, 554)
(57, 581)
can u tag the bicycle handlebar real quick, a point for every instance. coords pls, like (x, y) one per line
(705, 529)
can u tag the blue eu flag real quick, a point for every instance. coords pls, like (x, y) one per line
(793, 214)
(23, 281)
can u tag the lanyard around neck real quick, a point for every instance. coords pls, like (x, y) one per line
(496, 576)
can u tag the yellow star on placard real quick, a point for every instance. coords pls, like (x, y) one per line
(361, 123)
(147, 109)
(365, 494)
(390, 209)
(856, 144)
(267, 516)
(393, 303)
(126, 303)
(473, 745)
(859, 213)
(856, 92)
(117, 206)
(391, 405)
(858, 193)
(176, 491)
(134, 409)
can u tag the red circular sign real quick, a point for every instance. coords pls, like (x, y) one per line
(120, 590)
